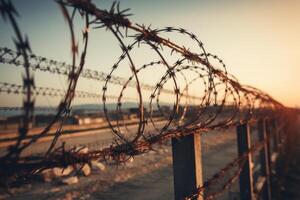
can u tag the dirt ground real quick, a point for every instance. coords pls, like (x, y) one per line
(149, 176)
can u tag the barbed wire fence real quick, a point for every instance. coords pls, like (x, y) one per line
(222, 103)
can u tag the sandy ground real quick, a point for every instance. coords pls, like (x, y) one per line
(149, 176)
(91, 136)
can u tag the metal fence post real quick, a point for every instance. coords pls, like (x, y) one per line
(272, 144)
(275, 135)
(246, 176)
(187, 165)
(269, 143)
(264, 161)
(279, 132)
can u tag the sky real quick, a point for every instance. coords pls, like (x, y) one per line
(258, 40)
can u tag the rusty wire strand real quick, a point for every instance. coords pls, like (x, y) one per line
(12, 88)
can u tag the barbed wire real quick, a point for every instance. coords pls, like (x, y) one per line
(12, 88)
(43, 64)
(10, 14)
(236, 164)
(220, 101)
(17, 108)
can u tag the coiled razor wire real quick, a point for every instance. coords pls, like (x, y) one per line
(220, 101)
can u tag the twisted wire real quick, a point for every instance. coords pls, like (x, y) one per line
(12, 88)
(43, 64)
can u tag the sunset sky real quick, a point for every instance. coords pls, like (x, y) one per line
(258, 40)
